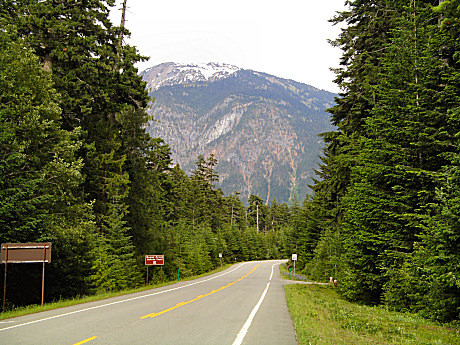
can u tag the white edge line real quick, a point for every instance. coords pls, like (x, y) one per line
(125, 300)
(247, 324)
(271, 275)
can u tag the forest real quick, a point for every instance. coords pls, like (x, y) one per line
(77, 168)
(386, 204)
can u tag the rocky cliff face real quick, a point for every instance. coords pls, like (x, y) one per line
(262, 129)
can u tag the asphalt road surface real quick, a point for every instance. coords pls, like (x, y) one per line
(244, 304)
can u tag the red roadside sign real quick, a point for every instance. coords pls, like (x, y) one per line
(151, 260)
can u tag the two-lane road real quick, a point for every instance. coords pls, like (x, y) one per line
(244, 304)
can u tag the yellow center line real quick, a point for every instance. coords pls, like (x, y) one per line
(199, 297)
(85, 341)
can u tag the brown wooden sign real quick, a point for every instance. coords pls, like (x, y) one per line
(24, 253)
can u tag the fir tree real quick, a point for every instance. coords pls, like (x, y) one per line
(39, 170)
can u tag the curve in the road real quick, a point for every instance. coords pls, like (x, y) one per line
(178, 305)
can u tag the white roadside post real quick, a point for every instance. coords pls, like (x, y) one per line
(220, 257)
(294, 258)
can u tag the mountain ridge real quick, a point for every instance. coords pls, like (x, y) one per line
(262, 129)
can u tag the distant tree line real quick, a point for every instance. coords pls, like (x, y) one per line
(78, 169)
(385, 215)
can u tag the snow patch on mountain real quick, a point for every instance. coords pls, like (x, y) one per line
(209, 70)
(171, 73)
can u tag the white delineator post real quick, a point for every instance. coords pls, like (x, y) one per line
(294, 258)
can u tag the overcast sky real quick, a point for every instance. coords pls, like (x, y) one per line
(285, 38)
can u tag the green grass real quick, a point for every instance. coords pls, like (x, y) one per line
(320, 316)
(32, 309)
(285, 268)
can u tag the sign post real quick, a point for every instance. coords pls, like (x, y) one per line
(154, 260)
(294, 258)
(25, 253)
(220, 257)
(4, 281)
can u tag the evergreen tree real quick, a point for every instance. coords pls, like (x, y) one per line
(376, 205)
(277, 216)
(366, 32)
(93, 73)
(148, 164)
(204, 177)
(257, 213)
(399, 160)
(324, 212)
(39, 170)
(431, 269)
(114, 263)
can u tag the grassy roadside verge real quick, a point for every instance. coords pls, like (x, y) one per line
(320, 316)
(284, 269)
(32, 309)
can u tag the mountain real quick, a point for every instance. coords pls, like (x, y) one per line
(262, 129)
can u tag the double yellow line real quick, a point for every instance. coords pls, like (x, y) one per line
(182, 303)
(178, 305)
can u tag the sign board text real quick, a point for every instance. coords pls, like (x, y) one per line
(151, 260)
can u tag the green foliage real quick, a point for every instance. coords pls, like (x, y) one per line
(40, 172)
(33, 147)
(114, 260)
(326, 259)
(78, 169)
(384, 208)
(321, 316)
(257, 212)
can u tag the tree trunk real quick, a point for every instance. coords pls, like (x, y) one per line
(47, 63)
(441, 17)
(120, 34)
